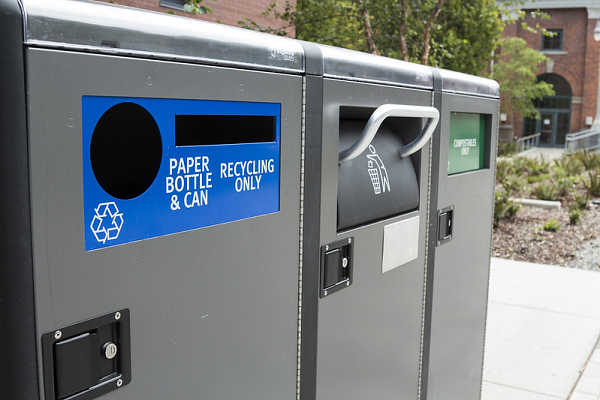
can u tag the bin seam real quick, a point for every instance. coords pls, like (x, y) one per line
(427, 231)
(301, 233)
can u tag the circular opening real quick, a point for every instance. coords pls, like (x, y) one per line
(126, 150)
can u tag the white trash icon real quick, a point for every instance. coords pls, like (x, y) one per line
(377, 172)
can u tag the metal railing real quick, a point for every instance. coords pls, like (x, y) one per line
(588, 139)
(528, 142)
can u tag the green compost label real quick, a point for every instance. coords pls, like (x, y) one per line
(467, 142)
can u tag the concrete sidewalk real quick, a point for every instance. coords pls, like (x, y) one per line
(549, 153)
(542, 330)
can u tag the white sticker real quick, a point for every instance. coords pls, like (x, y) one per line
(400, 243)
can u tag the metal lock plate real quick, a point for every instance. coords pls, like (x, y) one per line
(88, 359)
(445, 217)
(336, 266)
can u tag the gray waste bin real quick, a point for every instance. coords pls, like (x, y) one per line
(193, 211)
(462, 204)
(154, 178)
(393, 306)
(368, 180)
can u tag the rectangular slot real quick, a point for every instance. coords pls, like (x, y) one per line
(444, 226)
(468, 144)
(334, 271)
(378, 184)
(205, 130)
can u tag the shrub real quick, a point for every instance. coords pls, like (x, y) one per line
(512, 209)
(571, 165)
(581, 201)
(520, 165)
(504, 207)
(512, 184)
(574, 215)
(559, 171)
(545, 191)
(592, 184)
(506, 149)
(537, 178)
(538, 167)
(531, 166)
(500, 206)
(565, 185)
(590, 159)
(551, 226)
(504, 168)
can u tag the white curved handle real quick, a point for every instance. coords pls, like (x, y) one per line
(393, 110)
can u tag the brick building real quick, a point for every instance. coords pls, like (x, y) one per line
(572, 67)
(227, 12)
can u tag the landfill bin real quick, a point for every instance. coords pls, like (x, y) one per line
(463, 165)
(150, 206)
(365, 225)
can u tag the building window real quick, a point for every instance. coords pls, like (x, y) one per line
(554, 42)
(175, 4)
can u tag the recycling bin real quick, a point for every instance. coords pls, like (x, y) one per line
(150, 182)
(365, 224)
(173, 227)
(462, 204)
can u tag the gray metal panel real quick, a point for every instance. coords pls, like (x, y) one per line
(457, 82)
(356, 66)
(112, 29)
(18, 360)
(369, 333)
(462, 266)
(214, 310)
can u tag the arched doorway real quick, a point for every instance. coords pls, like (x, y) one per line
(555, 111)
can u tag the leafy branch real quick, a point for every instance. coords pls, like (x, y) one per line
(196, 7)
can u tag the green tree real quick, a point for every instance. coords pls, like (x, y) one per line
(196, 7)
(460, 35)
(467, 36)
(512, 13)
(455, 34)
(517, 74)
(336, 23)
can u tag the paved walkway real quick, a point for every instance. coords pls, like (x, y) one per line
(542, 332)
(548, 153)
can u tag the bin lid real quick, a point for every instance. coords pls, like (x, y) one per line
(356, 66)
(457, 82)
(113, 29)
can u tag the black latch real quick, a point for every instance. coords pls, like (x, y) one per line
(87, 359)
(445, 225)
(336, 266)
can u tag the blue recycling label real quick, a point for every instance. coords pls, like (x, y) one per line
(155, 167)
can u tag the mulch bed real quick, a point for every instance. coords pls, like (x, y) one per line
(523, 238)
